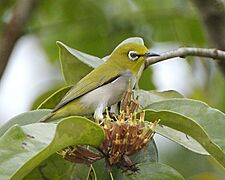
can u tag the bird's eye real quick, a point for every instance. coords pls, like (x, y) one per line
(132, 55)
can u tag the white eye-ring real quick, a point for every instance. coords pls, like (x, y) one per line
(132, 55)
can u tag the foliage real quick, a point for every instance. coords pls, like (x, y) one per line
(27, 147)
(33, 143)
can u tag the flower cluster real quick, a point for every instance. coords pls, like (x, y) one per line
(125, 134)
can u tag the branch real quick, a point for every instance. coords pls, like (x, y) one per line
(184, 52)
(14, 30)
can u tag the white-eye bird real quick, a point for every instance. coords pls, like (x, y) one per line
(105, 85)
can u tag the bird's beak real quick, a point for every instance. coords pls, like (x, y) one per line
(150, 54)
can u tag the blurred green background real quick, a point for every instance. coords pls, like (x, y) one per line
(32, 71)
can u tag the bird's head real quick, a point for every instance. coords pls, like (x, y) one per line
(131, 56)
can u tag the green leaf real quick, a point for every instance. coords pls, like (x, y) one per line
(148, 154)
(42, 97)
(91, 61)
(80, 171)
(23, 119)
(101, 170)
(194, 118)
(54, 99)
(55, 167)
(148, 170)
(22, 148)
(75, 64)
(145, 98)
(156, 171)
(181, 138)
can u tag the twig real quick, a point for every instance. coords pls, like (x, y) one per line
(185, 51)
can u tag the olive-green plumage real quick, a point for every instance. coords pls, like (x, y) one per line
(105, 85)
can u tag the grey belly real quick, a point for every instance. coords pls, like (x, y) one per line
(108, 94)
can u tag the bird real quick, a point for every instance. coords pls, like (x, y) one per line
(105, 85)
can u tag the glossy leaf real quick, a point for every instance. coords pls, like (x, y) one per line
(91, 61)
(43, 96)
(145, 98)
(101, 170)
(75, 64)
(54, 99)
(148, 154)
(80, 171)
(148, 170)
(194, 118)
(156, 171)
(54, 167)
(22, 148)
(23, 119)
(181, 138)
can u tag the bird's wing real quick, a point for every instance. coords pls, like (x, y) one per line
(98, 77)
